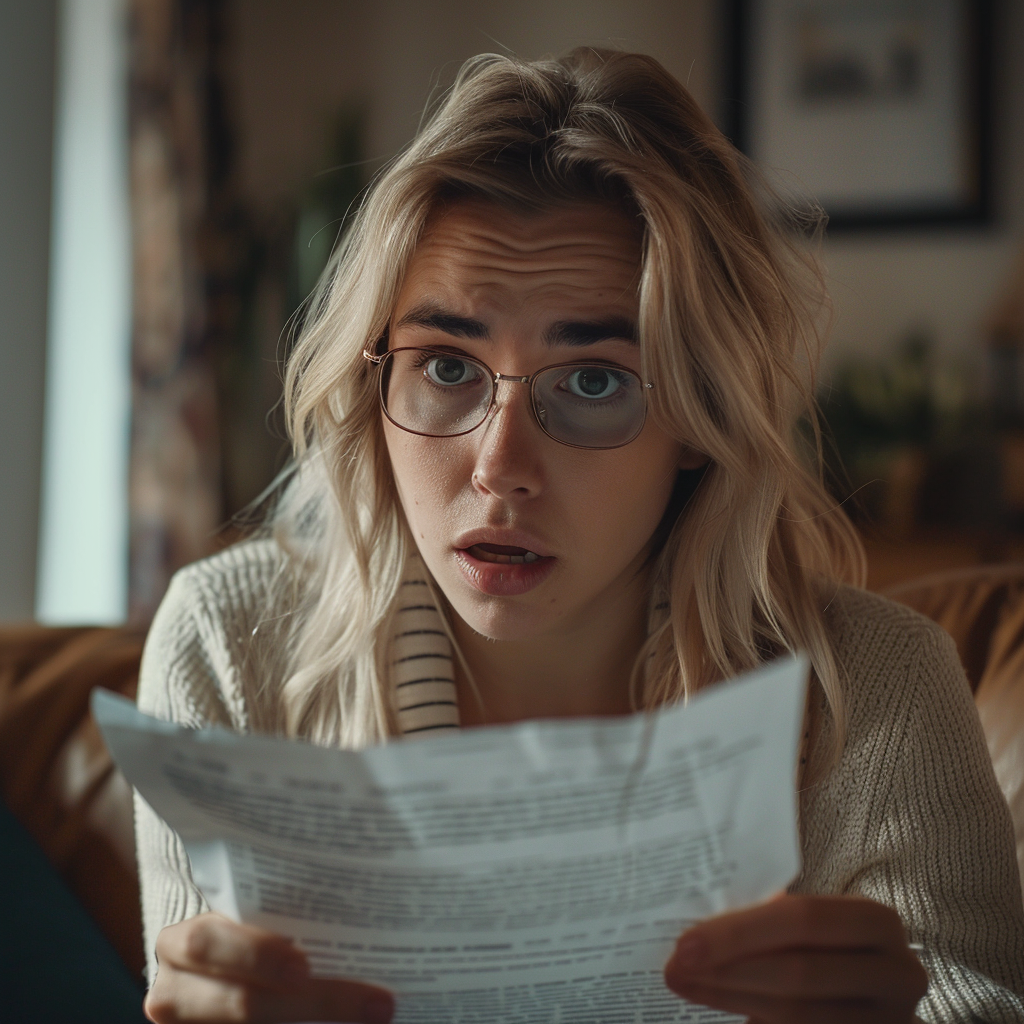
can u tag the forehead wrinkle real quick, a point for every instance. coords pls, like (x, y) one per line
(559, 268)
(590, 230)
(437, 281)
(605, 272)
(571, 258)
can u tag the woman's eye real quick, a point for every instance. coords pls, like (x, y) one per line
(449, 370)
(592, 382)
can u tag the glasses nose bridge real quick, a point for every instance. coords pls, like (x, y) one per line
(511, 379)
(508, 378)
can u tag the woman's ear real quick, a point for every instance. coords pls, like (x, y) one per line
(693, 459)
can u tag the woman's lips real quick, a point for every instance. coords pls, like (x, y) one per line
(503, 554)
(503, 571)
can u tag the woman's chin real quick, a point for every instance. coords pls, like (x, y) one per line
(504, 619)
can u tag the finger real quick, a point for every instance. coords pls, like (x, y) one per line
(178, 997)
(211, 944)
(778, 1010)
(183, 998)
(811, 974)
(323, 999)
(789, 922)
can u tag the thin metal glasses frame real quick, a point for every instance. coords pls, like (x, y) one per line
(378, 360)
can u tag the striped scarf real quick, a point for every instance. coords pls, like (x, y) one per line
(422, 671)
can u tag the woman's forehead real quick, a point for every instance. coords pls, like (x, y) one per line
(478, 251)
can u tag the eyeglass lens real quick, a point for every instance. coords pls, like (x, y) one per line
(442, 394)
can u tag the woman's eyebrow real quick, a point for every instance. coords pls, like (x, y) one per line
(436, 318)
(564, 332)
(589, 332)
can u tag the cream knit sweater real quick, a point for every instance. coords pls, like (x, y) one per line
(911, 817)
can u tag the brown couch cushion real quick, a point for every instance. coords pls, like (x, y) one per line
(983, 610)
(56, 775)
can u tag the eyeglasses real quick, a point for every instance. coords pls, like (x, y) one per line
(441, 393)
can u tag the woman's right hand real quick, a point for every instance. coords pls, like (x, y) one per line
(212, 969)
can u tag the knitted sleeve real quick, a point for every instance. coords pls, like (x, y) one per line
(189, 675)
(914, 818)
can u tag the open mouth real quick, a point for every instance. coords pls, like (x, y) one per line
(503, 554)
(503, 570)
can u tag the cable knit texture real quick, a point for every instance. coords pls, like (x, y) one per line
(911, 817)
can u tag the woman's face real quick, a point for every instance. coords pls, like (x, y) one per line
(526, 536)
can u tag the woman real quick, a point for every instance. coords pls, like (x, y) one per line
(546, 403)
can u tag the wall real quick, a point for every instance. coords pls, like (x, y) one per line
(27, 37)
(296, 63)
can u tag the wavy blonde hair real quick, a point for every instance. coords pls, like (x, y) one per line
(730, 315)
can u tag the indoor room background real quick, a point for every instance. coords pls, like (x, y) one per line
(174, 173)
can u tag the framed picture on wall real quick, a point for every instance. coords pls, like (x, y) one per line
(878, 109)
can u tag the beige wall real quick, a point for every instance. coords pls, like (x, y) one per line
(298, 61)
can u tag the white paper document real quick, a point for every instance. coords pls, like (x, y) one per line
(538, 873)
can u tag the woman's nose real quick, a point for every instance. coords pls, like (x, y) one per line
(508, 460)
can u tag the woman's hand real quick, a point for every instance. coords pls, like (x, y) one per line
(212, 969)
(802, 959)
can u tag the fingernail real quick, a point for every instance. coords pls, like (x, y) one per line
(691, 954)
(378, 1010)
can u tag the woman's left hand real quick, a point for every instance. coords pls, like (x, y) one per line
(802, 959)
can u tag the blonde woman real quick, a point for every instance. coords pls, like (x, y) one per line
(544, 416)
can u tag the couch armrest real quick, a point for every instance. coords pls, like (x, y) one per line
(56, 775)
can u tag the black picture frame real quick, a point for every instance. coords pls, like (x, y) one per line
(752, 100)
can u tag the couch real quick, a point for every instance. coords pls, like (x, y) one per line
(70, 922)
(59, 782)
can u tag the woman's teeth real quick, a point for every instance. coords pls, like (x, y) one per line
(477, 551)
